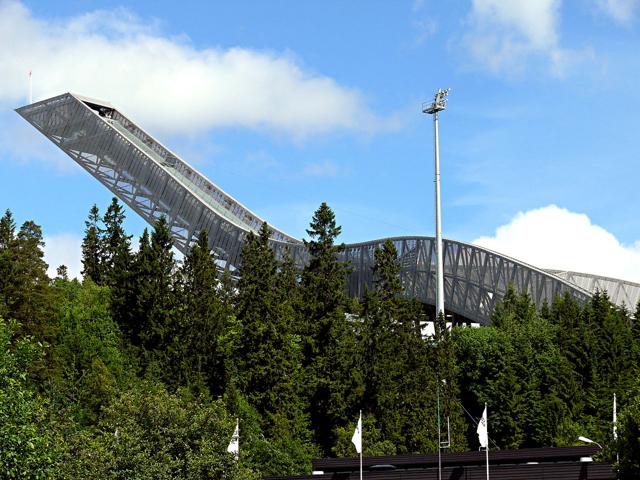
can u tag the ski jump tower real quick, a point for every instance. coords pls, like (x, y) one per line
(154, 181)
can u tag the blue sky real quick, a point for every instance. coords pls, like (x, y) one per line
(288, 104)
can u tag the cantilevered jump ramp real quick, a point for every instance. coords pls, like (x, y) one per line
(154, 181)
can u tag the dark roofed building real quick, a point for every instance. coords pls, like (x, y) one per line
(562, 463)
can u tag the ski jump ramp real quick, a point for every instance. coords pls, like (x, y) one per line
(154, 181)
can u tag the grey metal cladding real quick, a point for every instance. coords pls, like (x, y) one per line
(153, 181)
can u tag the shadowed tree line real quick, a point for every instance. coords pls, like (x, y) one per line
(140, 369)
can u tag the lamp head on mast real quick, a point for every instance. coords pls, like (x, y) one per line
(439, 102)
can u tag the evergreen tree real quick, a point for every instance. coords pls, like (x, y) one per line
(7, 259)
(28, 294)
(92, 251)
(270, 356)
(7, 230)
(116, 244)
(88, 352)
(442, 359)
(203, 317)
(576, 339)
(628, 443)
(62, 272)
(386, 271)
(155, 296)
(116, 262)
(138, 299)
(616, 358)
(394, 364)
(329, 340)
(636, 324)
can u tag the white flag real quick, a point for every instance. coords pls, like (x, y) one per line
(357, 435)
(234, 444)
(483, 433)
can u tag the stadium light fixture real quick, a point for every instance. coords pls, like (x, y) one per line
(438, 105)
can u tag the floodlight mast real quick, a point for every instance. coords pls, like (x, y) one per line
(438, 105)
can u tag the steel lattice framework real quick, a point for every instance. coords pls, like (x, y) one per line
(621, 292)
(153, 181)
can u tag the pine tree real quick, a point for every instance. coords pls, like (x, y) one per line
(139, 299)
(203, 317)
(7, 259)
(394, 361)
(28, 294)
(386, 271)
(628, 443)
(270, 356)
(116, 262)
(636, 324)
(7, 230)
(329, 340)
(116, 245)
(62, 272)
(323, 282)
(154, 284)
(92, 252)
(616, 365)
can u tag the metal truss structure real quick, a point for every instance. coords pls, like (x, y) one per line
(474, 278)
(154, 182)
(621, 292)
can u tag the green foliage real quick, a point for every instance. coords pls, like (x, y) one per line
(396, 364)
(156, 291)
(374, 442)
(269, 356)
(115, 244)
(92, 251)
(88, 352)
(199, 358)
(148, 432)
(28, 449)
(7, 259)
(24, 292)
(270, 455)
(149, 364)
(628, 444)
(150, 300)
(518, 369)
(328, 341)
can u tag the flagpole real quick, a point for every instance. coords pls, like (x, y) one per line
(357, 440)
(439, 442)
(360, 444)
(486, 450)
(30, 88)
(615, 427)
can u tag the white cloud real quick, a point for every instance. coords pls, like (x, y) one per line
(556, 238)
(63, 249)
(165, 82)
(622, 11)
(505, 34)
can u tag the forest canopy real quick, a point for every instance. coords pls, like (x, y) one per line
(141, 368)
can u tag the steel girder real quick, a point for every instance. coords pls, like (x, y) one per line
(621, 292)
(474, 278)
(153, 181)
(145, 175)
